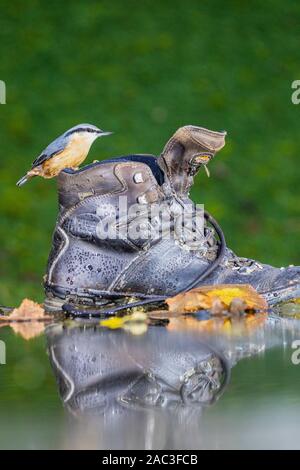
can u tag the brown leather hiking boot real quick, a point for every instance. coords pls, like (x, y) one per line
(110, 243)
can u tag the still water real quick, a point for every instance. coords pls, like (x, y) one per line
(186, 383)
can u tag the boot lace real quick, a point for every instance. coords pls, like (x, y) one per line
(238, 263)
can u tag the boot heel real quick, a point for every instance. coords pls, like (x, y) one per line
(53, 305)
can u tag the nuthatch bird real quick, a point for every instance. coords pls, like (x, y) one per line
(67, 151)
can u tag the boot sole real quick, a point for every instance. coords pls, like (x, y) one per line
(282, 294)
(53, 303)
(57, 297)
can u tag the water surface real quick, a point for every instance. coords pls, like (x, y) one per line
(183, 384)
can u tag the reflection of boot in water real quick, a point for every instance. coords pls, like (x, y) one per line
(122, 383)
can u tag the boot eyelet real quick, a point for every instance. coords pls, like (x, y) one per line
(138, 178)
(142, 199)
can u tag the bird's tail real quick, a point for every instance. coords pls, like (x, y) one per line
(23, 180)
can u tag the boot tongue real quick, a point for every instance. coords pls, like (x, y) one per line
(187, 150)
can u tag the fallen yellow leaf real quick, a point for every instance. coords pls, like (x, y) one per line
(190, 301)
(114, 322)
(225, 295)
(128, 322)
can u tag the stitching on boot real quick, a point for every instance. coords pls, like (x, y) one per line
(60, 253)
(119, 280)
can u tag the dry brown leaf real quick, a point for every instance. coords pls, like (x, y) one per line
(218, 307)
(26, 320)
(216, 297)
(28, 310)
(190, 301)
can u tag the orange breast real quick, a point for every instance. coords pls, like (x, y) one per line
(71, 157)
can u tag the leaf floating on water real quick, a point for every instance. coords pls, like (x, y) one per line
(26, 320)
(217, 306)
(238, 305)
(233, 298)
(28, 310)
(244, 292)
(136, 323)
(190, 301)
(113, 323)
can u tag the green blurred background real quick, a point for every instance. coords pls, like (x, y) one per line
(143, 69)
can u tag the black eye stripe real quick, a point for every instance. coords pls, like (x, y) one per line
(81, 129)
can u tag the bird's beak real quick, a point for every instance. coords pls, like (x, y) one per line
(101, 133)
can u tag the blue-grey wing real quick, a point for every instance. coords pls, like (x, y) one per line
(54, 148)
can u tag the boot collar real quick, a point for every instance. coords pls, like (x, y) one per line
(187, 150)
(149, 160)
(138, 175)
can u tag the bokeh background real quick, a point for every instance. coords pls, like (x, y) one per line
(143, 69)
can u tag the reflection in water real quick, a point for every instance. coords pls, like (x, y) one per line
(150, 391)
